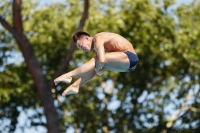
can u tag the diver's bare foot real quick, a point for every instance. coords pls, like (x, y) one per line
(71, 90)
(63, 78)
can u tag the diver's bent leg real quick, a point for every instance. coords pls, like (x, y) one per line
(80, 71)
(114, 61)
(74, 88)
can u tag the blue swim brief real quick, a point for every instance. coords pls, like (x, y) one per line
(133, 58)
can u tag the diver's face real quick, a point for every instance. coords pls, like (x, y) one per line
(84, 44)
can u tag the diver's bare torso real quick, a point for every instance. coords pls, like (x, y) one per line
(114, 42)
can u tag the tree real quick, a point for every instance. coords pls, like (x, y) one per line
(40, 81)
(167, 75)
(165, 70)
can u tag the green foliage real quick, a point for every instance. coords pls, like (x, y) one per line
(168, 69)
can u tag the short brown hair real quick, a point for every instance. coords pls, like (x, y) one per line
(77, 35)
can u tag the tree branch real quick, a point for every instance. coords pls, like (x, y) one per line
(68, 56)
(183, 107)
(16, 15)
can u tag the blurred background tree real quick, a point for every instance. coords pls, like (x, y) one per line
(161, 95)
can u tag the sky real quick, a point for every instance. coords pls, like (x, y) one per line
(23, 115)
